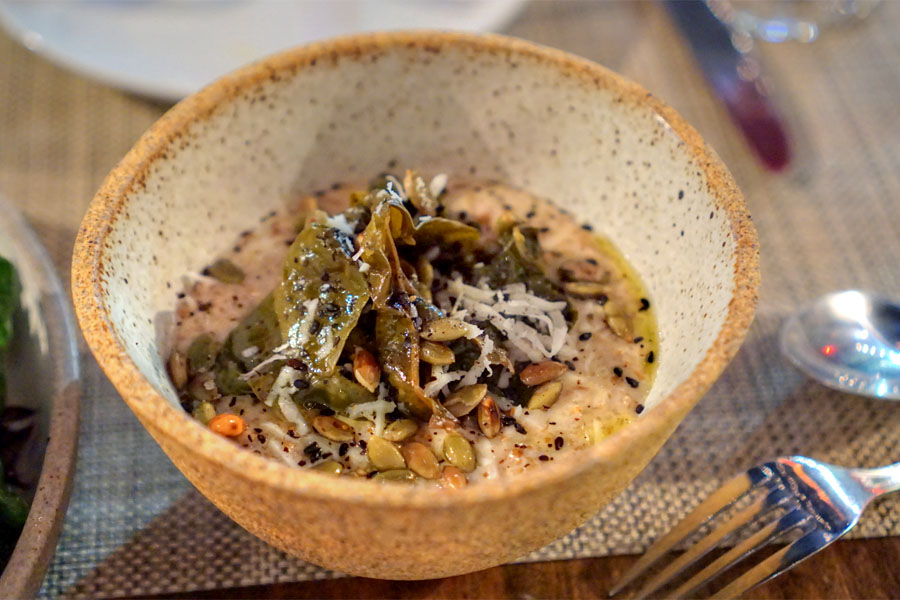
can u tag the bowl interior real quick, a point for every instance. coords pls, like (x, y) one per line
(468, 106)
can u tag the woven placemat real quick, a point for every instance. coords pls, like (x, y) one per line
(135, 526)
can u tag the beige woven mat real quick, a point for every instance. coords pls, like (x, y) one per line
(136, 526)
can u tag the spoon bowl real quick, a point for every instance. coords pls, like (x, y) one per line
(849, 341)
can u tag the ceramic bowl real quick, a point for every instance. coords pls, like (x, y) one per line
(42, 375)
(471, 106)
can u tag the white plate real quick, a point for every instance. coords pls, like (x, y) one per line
(168, 49)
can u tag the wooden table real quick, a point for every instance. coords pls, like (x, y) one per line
(848, 569)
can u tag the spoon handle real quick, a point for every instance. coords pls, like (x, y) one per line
(882, 480)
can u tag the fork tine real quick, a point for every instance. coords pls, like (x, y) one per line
(730, 491)
(778, 563)
(771, 531)
(758, 509)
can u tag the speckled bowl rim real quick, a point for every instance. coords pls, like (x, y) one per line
(145, 401)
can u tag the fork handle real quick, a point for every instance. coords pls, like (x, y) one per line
(880, 481)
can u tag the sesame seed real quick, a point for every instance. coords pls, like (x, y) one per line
(632, 382)
(645, 304)
(650, 357)
(585, 336)
(617, 371)
(639, 408)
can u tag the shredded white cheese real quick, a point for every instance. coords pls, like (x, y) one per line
(283, 386)
(292, 414)
(375, 411)
(340, 222)
(299, 331)
(440, 379)
(533, 326)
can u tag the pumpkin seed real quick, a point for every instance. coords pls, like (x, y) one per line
(445, 330)
(436, 354)
(489, 417)
(400, 430)
(545, 396)
(333, 429)
(396, 475)
(225, 271)
(366, 369)
(425, 271)
(542, 372)
(586, 289)
(204, 412)
(465, 399)
(331, 467)
(203, 388)
(459, 452)
(384, 455)
(201, 355)
(420, 460)
(178, 369)
(618, 320)
(453, 478)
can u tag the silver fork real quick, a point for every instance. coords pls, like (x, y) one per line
(821, 501)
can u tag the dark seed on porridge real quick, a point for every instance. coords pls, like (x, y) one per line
(632, 382)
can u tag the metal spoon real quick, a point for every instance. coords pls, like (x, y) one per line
(848, 341)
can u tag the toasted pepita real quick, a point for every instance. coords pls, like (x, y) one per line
(445, 330)
(204, 412)
(400, 430)
(545, 396)
(586, 289)
(225, 271)
(384, 455)
(396, 475)
(201, 355)
(618, 320)
(366, 369)
(453, 478)
(425, 271)
(465, 399)
(489, 417)
(331, 467)
(178, 369)
(420, 460)
(459, 452)
(436, 354)
(203, 388)
(333, 429)
(542, 372)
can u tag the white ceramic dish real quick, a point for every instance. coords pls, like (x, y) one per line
(43, 375)
(167, 49)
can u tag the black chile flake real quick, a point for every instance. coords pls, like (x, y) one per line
(585, 336)
(639, 408)
(345, 447)
(645, 304)
(558, 442)
(543, 458)
(631, 381)
(650, 357)
(617, 371)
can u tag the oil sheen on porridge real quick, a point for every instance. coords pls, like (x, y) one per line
(416, 330)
